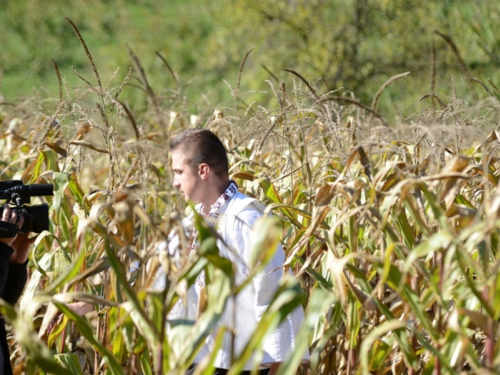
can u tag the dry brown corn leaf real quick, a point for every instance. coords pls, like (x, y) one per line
(477, 320)
(89, 145)
(325, 194)
(83, 130)
(244, 175)
(460, 210)
(493, 136)
(457, 164)
(363, 298)
(363, 159)
(124, 216)
(353, 189)
(57, 148)
(478, 169)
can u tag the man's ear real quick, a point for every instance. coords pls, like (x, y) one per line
(204, 171)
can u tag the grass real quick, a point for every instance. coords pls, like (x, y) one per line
(391, 229)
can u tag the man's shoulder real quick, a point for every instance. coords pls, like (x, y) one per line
(244, 211)
(241, 202)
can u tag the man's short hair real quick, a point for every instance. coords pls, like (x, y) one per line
(202, 146)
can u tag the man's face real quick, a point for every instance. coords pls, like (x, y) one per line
(186, 180)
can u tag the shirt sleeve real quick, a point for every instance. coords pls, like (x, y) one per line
(5, 253)
(12, 276)
(16, 280)
(265, 283)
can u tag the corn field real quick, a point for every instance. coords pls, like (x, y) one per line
(392, 229)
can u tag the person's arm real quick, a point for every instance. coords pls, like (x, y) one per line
(14, 273)
(265, 284)
(5, 254)
(16, 280)
(274, 368)
(8, 254)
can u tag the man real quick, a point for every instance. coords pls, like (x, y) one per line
(13, 275)
(200, 166)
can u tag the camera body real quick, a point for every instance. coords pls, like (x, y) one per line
(36, 218)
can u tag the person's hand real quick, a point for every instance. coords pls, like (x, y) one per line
(20, 243)
(21, 246)
(10, 216)
(80, 307)
(274, 368)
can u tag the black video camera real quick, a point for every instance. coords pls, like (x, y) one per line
(36, 218)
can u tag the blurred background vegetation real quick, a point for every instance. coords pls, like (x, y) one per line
(352, 45)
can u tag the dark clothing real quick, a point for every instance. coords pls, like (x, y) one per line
(222, 371)
(12, 280)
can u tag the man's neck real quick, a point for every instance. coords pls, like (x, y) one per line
(214, 194)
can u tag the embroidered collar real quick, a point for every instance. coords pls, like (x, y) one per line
(220, 204)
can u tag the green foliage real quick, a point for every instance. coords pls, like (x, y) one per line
(352, 45)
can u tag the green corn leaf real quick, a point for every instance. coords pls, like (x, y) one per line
(50, 158)
(266, 235)
(373, 337)
(288, 297)
(61, 181)
(69, 273)
(87, 331)
(70, 362)
(28, 340)
(146, 363)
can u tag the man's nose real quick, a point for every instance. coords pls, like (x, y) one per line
(176, 184)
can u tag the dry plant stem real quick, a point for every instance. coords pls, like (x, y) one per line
(356, 103)
(457, 122)
(240, 72)
(246, 138)
(49, 122)
(98, 334)
(283, 96)
(172, 73)
(266, 134)
(56, 68)
(494, 86)
(150, 93)
(142, 74)
(87, 52)
(83, 79)
(490, 342)
(454, 48)
(88, 145)
(434, 96)
(461, 62)
(159, 360)
(303, 80)
(350, 361)
(120, 89)
(433, 67)
(122, 184)
(107, 89)
(384, 86)
(276, 94)
(270, 73)
(159, 354)
(136, 87)
(132, 120)
(483, 85)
